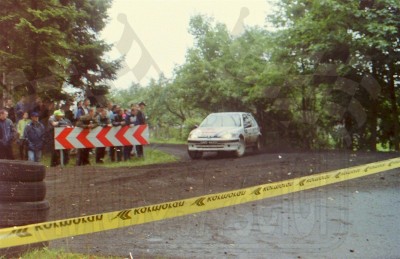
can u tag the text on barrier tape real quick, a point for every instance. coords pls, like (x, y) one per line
(46, 231)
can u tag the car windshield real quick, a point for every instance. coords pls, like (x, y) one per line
(222, 120)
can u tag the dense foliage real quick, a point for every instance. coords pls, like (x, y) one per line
(326, 77)
(45, 44)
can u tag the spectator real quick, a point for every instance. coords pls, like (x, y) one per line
(111, 110)
(142, 107)
(134, 119)
(118, 121)
(34, 134)
(46, 112)
(22, 144)
(69, 115)
(112, 113)
(87, 121)
(67, 122)
(103, 120)
(7, 134)
(20, 106)
(141, 120)
(9, 107)
(126, 113)
(131, 121)
(56, 120)
(84, 109)
(38, 107)
(76, 110)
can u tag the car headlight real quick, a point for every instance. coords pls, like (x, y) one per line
(228, 135)
(194, 134)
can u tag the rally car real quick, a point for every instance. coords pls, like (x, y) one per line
(225, 132)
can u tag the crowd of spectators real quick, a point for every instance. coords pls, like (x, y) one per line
(31, 126)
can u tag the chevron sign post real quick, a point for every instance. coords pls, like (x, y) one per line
(68, 138)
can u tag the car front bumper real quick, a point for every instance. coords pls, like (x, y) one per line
(212, 145)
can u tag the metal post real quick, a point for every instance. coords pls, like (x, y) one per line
(62, 157)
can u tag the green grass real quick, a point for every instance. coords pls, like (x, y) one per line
(151, 156)
(167, 141)
(59, 254)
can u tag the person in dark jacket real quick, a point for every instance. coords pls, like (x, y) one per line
(140, 120)
(103, 120)
(141, 112)
(9, 107)
(7, 135)
(130, 121)
(87, 121)
(34, 134)
(69, 115)
(118, 120)
(134, 119)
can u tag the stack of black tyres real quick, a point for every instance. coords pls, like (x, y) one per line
(22, 199)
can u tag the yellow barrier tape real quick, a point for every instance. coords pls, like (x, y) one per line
(112, 220)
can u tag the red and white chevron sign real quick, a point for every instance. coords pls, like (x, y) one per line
(68, 138)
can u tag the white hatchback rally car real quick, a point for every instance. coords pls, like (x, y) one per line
(225, 132)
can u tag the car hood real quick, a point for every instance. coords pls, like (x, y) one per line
(205, 132)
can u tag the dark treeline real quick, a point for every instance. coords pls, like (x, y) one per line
(47, 44)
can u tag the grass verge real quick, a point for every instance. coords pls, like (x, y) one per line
(46, 253)
(151, 156)
(167, 141)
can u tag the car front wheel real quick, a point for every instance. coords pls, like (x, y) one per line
(195, 154)
(241, 148)
(258, 146)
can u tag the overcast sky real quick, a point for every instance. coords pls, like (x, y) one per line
(153, 34)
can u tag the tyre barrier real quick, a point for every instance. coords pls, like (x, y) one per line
(21, 171)
(23, 213)
(22, 191)
(22, 194)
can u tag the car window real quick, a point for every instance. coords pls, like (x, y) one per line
(247, 121)
(254, 122)
(222, 120)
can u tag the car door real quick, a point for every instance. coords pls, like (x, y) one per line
(255, 129)
(248, 129)
(252, 129)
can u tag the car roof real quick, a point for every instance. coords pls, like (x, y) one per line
(222, 113)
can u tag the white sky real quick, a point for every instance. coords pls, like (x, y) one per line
(161, 26)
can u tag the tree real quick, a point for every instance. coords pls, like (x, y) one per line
(379, 45)
(203, 75)
(329, 62)
(54, 42)
(342, 35)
